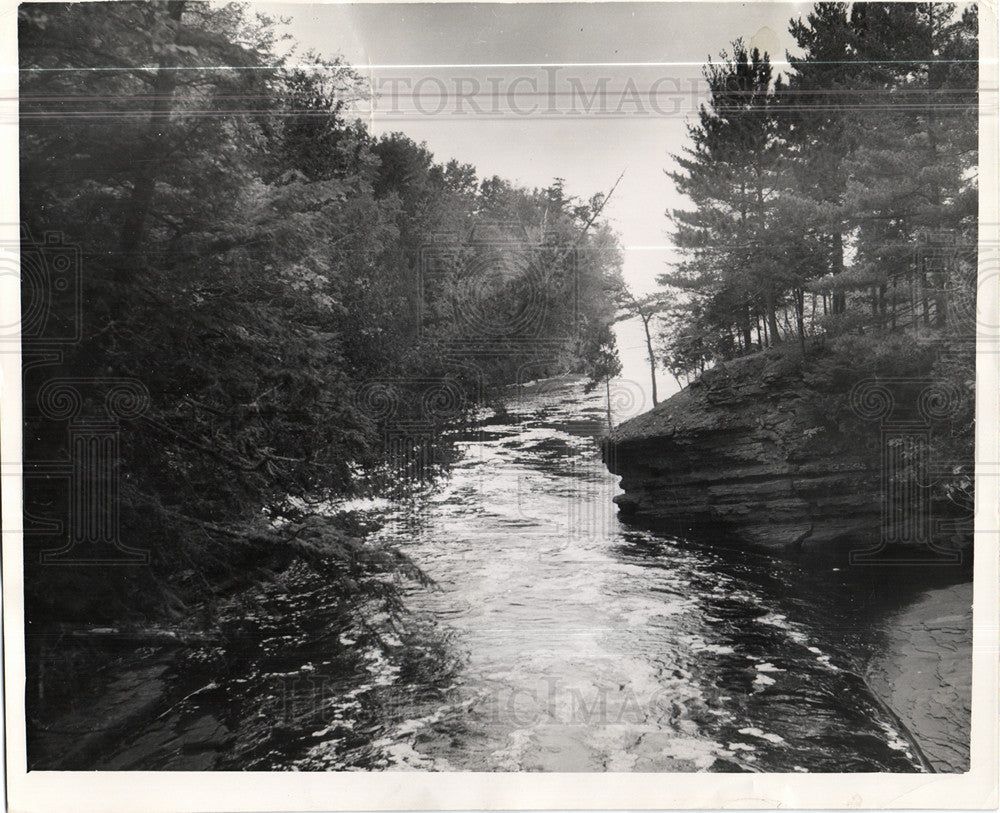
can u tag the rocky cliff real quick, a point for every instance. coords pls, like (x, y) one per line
(770, 450)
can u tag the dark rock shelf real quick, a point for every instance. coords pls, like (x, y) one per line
(766, 449)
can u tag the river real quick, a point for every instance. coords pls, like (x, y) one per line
(557, 638)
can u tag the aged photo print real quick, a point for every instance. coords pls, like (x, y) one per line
(485, 390)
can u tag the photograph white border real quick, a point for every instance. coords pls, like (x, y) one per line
(129, 792)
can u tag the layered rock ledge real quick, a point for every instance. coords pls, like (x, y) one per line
(767, 449)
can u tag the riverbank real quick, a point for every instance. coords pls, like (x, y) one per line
(92, 689)
(924, 673)
(782, 451)
(709, 659)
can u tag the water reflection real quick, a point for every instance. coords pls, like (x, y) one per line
(556, 638)
(587, 645)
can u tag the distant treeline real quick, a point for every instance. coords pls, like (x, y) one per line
(284, 288)
(839, 198)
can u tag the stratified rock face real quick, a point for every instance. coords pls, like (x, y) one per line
(765, 448)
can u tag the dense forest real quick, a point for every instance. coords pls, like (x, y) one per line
(275, 306)
(834, 217)
(266, 306)
(838, 199)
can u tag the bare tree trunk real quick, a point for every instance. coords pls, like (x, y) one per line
(607, 389)
(788, 324)
(839, 298)
(934, 77)
(652, 355)
(772, 317)
(800, 318)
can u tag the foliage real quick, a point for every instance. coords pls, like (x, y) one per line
(255, 257)
(814, 212)
(837, 205)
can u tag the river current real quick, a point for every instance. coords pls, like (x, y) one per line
(558, 638)
(588, 645)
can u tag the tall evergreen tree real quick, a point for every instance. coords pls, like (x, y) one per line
(734, 174)
(912, 177)
(822, 97)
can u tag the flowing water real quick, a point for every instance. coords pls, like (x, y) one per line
(556, 638)
(587, 645)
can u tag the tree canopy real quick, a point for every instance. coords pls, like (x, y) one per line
(818, 195)
(290, 290)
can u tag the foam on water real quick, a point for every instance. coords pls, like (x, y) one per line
(558, 638)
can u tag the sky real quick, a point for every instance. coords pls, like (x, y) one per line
(535, 91)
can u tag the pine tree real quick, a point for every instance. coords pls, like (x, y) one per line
(733, 175)
(911, 176)
(822, 97)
